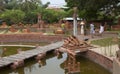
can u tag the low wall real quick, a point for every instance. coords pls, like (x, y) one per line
(99, 59)
(116, 27)
(116, 66)
(29, 38)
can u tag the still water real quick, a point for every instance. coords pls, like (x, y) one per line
(55, 65)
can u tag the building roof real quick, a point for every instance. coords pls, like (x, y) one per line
(71, 18)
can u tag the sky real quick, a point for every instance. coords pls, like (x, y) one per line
(54, 2)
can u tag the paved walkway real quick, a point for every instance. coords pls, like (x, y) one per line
(96, 37)
(18, 45)
(28, 54)
(108, 51)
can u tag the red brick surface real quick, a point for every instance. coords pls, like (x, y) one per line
(29, 38)
(100, 59)
(116, 27)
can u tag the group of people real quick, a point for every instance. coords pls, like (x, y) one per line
(92, 29)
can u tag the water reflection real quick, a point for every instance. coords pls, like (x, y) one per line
(71, 65)
(1, 51)
(42, 62)
(62, 64)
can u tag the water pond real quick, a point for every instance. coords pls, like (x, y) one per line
(55, 65)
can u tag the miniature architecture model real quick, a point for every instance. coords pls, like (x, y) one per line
(72, 45)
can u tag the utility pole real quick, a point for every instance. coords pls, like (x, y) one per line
(39, 19)
(75, 21)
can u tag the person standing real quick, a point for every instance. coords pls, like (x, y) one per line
(92, 29)
(63, 26)
(101, 29)
(82, 27)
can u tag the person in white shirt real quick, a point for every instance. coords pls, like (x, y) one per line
(82, 27)
(92, 29)
(101, 29)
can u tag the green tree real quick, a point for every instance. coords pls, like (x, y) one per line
(13, 16)
(28, 6)
(90, 9)
(70, 13)
(31, 17)
(31, 9)
(52, 16)
(8, 4)
(46, 5)
(27, 10)
(1, 5)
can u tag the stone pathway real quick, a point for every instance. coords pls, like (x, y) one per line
(104, 35)
(18, 45)
(28, 54)
(109, 51)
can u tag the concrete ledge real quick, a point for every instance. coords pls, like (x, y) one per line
(99, 59)
(32, 37)
(116, 66)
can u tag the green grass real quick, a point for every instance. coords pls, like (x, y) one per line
(104, 42)
(115, 31)
(13, 50)
(27, 43)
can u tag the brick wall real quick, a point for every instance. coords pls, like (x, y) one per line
(116, 66)
(116, 27)
(99, 59)
(29, 38)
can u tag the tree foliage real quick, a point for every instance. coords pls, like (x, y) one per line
(27, 11)
(13, 16)
(52, 15)
(91, 9)
(29, 5)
